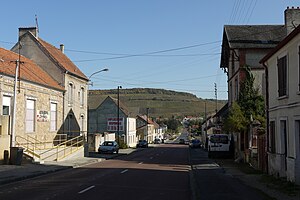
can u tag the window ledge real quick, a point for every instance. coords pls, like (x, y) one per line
(283, 97)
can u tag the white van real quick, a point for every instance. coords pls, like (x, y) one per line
(219, 145)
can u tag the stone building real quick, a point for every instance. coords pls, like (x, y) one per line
(39, 102)
(64, 72)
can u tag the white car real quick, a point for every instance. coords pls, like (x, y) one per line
(109, 147)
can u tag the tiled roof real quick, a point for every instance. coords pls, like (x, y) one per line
(62, 59)
(29, 71)
(254, 36)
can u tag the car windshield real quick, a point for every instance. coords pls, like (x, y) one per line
(108, 144)
(141, 141)
(195, 141)
(219, 139)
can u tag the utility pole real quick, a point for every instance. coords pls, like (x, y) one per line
(13, 123)
(216, 95)
(147, 124)
(118, 120)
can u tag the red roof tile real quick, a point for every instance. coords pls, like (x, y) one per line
(62, 59)
(29, 71)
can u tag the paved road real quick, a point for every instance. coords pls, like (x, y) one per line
(159, 173)
(211, 181)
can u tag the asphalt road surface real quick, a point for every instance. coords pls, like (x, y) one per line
(159, 173)
(162, 172)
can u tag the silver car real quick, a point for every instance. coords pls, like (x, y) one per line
(109, 147)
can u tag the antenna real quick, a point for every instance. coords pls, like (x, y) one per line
(36, 23)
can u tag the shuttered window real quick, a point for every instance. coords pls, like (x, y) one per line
(282, 76)
(272, 137)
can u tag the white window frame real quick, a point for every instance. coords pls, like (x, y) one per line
(6, 101)
(30, 117)
(53, 116)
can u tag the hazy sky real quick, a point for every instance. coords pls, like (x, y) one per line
(169, 44)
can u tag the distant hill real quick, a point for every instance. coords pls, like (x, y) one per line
(161, 103)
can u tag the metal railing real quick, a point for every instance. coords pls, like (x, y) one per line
(64, 149)
(43, 147)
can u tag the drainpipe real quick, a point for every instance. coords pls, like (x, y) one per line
(267, 110)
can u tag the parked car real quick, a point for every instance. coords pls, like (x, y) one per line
(142, 144)
(157, 141)
(109, 147)
(181, 141)
(195, 143)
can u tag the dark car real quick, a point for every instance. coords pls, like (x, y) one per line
(142, 144)
(109, 147)
(181, 141)
(157, 141)
(195, 143)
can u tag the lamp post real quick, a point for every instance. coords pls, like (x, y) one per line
(119, 87)
(87, 137)
(102, 70)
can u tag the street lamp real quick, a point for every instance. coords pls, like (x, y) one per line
(102, 70)
(86, 152)
(119, 87)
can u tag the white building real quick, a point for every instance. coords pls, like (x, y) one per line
(283, 81)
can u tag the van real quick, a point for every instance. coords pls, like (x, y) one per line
(219, 145)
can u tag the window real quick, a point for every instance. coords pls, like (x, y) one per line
(297, 134)
(236, 89)
(82, 122)
(53, 117)
(299, 68)
(6, 105)
(284, 138)
(272, 137)
(30, 115)
(81, 96)
(70, 93)
(230, 92)
(282, 76)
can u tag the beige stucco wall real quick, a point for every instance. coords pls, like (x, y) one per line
(77, 109)
(285, 108)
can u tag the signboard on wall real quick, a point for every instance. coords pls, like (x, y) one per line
(112, 124)
(42, 116)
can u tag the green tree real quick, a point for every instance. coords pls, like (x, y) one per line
(250, 105)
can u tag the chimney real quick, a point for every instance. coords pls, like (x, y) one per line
(32, 30)
(62, 48)
(291, 18)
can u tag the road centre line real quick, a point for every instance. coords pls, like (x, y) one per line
(124, 171)
(86, 189)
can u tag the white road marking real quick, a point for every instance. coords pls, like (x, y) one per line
(82, 191)
(140, 163)
(124, 171)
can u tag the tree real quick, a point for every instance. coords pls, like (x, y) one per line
(250, 105)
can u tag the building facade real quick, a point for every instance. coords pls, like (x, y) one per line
(244, 46)
(39, 102)
(283, 67)
(106, 118)
(64, 72)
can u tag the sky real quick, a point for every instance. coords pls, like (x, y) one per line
(166, 44)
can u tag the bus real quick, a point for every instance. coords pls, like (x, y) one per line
(219, 145)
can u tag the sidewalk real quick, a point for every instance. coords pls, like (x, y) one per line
(280, 190)
(12, 173)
